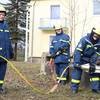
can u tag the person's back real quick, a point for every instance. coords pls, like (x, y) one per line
(85, 49)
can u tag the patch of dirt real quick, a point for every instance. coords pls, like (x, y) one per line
(17, 89)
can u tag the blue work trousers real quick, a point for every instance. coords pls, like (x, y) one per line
(76, 78)
(60, 67)
(3, 67)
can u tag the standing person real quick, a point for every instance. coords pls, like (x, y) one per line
(5, 46)
(60, 52)
(87, 51)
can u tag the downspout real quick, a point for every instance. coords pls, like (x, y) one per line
(26, 42)
(33, 30)
(26, 38)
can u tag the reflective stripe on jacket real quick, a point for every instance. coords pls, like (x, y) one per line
(5, 42)
(61, 47)
(85, 49)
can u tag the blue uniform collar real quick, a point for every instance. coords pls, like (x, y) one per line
(59, 34)
(88, 40)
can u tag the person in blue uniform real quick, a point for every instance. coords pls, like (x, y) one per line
(87, 51)
(60, 52)
(5, 46)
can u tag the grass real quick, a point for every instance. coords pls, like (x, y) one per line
(17, 89)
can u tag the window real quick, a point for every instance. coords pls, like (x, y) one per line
(96, 7)
(55, 11)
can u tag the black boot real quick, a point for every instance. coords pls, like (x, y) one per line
(74, 91)
(63, 82)
(2, 90)
(95, 91)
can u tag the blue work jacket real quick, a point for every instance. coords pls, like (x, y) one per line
(5, 42)
(61, 43)
(85, 51)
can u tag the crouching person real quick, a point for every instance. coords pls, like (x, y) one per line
(86, 48)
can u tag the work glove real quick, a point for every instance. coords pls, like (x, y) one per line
(53, 56)
(77, 66)
(92, 68)
(63, 50)
(11, 55)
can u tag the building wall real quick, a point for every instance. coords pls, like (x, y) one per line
(84, 20)
(42, 39)
(81, 18)
(39, 40)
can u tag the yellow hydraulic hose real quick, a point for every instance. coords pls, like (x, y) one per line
(34, 89)
(56, 85)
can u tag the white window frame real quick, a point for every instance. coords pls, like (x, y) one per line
(55, 12)
(96, 7)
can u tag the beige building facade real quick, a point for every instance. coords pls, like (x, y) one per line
(76, 16)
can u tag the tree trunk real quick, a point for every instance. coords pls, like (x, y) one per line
(15, 51)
